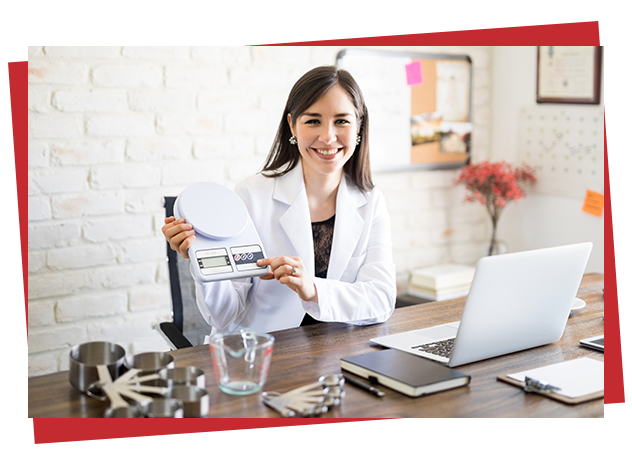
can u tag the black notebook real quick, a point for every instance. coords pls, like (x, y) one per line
(409, 374)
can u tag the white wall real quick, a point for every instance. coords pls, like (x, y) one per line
(114, 129)
(540, 220)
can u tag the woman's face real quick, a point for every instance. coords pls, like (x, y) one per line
(326, 133)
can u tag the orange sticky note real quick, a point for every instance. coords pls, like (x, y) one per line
(593, 203)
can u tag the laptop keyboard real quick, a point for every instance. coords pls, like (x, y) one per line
(441, 348)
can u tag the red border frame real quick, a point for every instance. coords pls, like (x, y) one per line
(20, 430)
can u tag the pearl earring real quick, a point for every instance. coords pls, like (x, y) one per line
(293, 140)
(358, 139)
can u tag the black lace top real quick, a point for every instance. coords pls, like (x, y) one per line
(323, 235)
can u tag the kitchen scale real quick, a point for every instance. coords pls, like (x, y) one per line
(227, 245)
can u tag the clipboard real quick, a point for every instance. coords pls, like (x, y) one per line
(571, 382)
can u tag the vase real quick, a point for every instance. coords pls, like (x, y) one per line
(498, 247)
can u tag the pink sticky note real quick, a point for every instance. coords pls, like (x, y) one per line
(413, 73)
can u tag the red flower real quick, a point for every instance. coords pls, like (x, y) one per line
(495, 184)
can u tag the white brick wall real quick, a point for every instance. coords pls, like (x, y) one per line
(114, 129)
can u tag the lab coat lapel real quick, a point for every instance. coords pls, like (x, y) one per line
(296, 222)
(347, 229)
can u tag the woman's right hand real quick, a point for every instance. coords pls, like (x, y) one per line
(179, 234)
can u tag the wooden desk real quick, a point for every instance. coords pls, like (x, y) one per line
(301, 355)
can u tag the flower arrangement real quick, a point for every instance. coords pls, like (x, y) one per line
(495, 184)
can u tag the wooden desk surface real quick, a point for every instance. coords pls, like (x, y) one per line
(301, 355)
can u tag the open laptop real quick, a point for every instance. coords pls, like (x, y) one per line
(517, 301)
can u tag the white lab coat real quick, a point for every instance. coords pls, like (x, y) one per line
(360, 285)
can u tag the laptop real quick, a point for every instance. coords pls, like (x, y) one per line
(517, 301)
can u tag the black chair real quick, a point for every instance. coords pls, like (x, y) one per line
(188, 327)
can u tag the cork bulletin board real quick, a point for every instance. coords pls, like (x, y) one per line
(419, 107)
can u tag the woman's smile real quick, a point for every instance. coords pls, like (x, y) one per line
(327, 153)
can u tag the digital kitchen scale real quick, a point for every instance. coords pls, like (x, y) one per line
(227, 245)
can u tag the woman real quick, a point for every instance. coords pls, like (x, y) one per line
(324, 227)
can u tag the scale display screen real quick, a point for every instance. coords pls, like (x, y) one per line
(214, 262)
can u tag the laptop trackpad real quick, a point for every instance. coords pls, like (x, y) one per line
(404, 340)
(441, 332)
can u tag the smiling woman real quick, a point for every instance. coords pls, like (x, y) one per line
(319, 217)
(326, 135)
(334, 91)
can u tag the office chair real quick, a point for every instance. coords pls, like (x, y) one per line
(188, 327)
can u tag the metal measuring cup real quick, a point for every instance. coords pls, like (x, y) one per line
(163, 408)
(86, 357)
(123, 412)
(183, 376)
(195, 399)
(149, 364)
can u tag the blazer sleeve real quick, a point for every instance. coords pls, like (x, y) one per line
(222, 303)
(370, 297)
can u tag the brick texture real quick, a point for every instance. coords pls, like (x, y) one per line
(114, 129)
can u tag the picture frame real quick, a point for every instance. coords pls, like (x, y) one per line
(569, 75)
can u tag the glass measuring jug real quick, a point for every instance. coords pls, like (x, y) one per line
(241, 360)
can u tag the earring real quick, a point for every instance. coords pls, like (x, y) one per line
(358, 139)
(293, 139)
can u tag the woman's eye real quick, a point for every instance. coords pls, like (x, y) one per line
(342, 122)
(312, 122)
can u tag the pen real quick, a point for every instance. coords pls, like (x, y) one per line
(364, 386)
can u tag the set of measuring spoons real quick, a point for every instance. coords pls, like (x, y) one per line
(309, 400)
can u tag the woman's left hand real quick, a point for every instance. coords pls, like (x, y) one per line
(291, 272)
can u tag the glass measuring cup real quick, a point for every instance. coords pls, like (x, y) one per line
(241, 360)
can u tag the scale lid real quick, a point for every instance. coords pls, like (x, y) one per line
(213, 210)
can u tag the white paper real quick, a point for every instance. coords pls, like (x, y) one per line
(453, 92)
(567, 72)
(575, 378)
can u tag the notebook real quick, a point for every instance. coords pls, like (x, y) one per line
(517, 301)
(408, 374)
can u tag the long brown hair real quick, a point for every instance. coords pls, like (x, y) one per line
(284, 156)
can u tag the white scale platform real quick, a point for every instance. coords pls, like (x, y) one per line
(227, 245)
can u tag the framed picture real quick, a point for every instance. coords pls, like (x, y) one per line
(569, 75)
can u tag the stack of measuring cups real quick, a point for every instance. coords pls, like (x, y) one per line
(180, 391)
